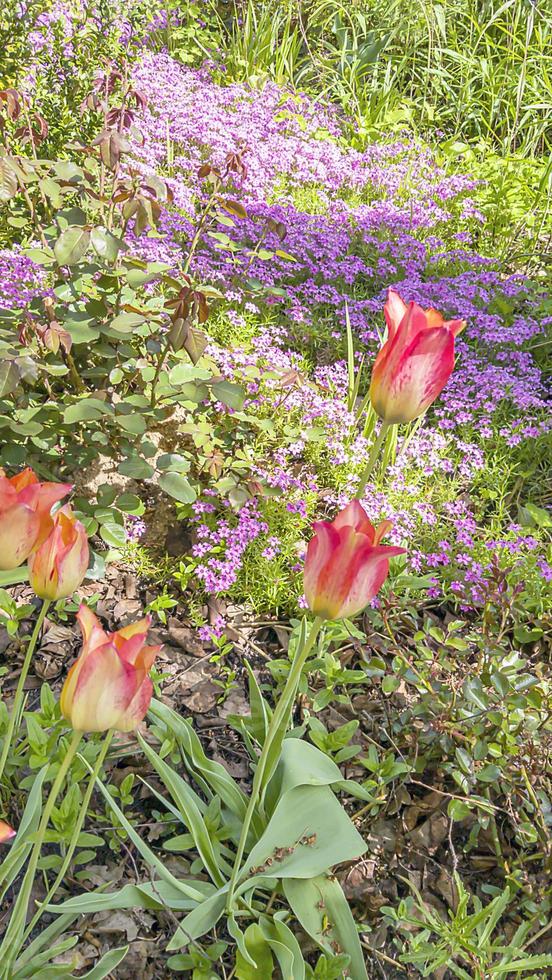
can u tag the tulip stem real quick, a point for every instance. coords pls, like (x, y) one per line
(372, 459)
(13, 936)
(19, 692)
(277, 723)
(75, 835)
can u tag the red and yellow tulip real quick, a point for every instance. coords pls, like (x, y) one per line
(108, 686)
(25, 521)
(59, 564)
(415, 363)
(346, 565)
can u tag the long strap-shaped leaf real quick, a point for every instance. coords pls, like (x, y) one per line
(317, 900)
(26, 964)
(189, 811)
(239, 938)
(20, 850)
(215, 775)
(148, 895)
(107, 964)
(38, 966)
(285, 946)
(149, 856)
(200, 920)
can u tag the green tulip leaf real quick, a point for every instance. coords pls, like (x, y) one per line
(212, 775)
(149, 895)
(107, 964)
(253, 958)
(199, 921)
(324, 913)
(285, 947)
(308, 833)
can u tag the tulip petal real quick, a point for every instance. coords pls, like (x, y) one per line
(8, 496)
(67, 695)
(6, 832)
(414, 364)
(43, 574)
(335, 577)
(89, 623)
(19, 527)
(97, 690)
(354, 515)
(345, 564)
(137, 709)
(320, 550)
(59, 565)
(428, 364)
(146, 657)
(25, 493)
(72, 561)
(93, 634)
(108, 685)
(41, 497)
(126, 632)
(455, 326)
(381, 531)
(409, 378)
(365, 579)
(434, 318)
(395, 308)
(26, 478)
(129, 650)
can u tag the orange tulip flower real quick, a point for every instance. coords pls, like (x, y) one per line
(59, 565)
(108, 685)
(415, 363)
(25, 521)
(6, 832)
(346, 565)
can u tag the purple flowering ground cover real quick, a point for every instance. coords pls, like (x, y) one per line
(194, 261)
(355, 223)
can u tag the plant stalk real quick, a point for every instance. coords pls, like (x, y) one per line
(18, 699)
(372, 459)
(75, 835)
(191, 252)
(284, 704)
(158, 367)
(13, 936)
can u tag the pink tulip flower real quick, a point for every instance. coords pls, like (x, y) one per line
(346, 565)
(415, 363)
(25, 521)
(59, 565)
(108, 686)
